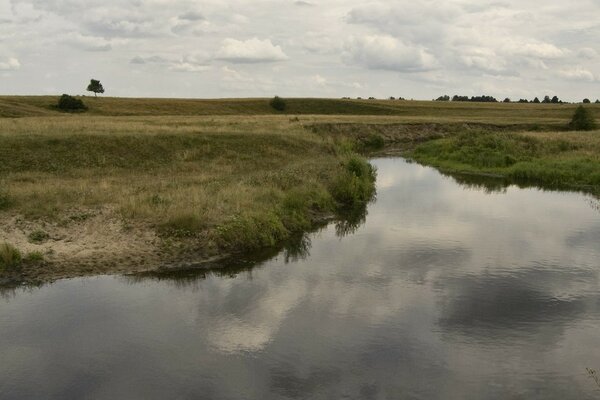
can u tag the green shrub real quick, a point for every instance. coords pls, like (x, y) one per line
(356, 183)
(70, 103)
(582, 120)
(373, 142)
(10, 257)
(277, 103)
(38, 237)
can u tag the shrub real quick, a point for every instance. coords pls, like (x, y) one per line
(373, 142)
(356, 184)
(582, 120)
(586, 101)
(278, 103)
(70, 103)
(10, 257)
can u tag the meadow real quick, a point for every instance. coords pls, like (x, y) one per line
(137, 184)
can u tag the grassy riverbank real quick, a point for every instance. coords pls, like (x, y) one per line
(135, 184)
(556, 159)
(126, 194)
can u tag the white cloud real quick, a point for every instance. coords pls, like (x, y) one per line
(534, 49)
(414, 49)
(9, 64)
(250, 51)
(577, 74)
(88, 43)
(387, 53)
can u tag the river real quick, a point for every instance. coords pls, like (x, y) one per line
(447, 290)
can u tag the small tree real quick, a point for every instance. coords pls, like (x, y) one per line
(507, 100)
(96, 87)
(70, 103)
(597, 101)
(555, 100)
(586, 101)
(536, 101)
(546, 100)
(277, 103)
(582, 120)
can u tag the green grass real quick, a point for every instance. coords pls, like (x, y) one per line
(557, 159)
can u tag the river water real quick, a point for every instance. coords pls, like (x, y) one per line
(447, 291)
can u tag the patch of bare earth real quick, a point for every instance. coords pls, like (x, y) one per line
(82, 243)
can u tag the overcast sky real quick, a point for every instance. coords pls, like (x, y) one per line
(334, 48)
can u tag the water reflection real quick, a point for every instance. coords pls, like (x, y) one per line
(445, 292)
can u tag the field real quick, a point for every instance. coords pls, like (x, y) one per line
(137, 184)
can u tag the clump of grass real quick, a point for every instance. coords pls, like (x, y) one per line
(38, 237)
(252, 231)
(10, 257)
(34, 257)
(582, 120)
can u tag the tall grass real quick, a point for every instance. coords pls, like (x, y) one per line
(10, 257)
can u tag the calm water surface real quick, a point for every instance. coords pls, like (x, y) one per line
(446, 292)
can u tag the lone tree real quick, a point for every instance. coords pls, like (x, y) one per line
(582, 120)
(96, 87)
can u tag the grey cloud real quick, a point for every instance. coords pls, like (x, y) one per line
(192, 16)
(388, 53)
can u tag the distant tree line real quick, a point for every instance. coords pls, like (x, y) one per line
(490, 99)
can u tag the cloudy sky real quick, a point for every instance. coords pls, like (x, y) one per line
(333, 48)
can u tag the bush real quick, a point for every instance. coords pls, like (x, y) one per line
(582, 120)
(70, 103)
(586, 101)
(356, 184)
(10, 257)
(278, 103)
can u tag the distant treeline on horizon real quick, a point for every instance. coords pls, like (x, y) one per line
(490, 99)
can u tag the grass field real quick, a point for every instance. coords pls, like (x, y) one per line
(136, 183)
(404, 111)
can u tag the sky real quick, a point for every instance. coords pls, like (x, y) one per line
(302, 48)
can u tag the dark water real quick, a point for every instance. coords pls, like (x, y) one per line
(447, 291)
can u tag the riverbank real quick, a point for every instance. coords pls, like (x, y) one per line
(84, 195)
(560, 160)
(104, 193)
